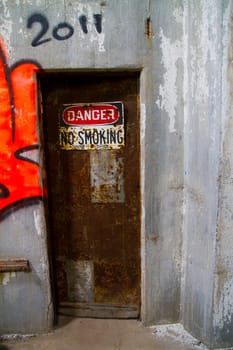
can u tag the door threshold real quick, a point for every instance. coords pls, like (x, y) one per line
(98, 310)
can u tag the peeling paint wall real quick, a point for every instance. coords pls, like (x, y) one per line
(167, 100)
(73, 38)
(162, 87)
(204, 290)
(202, 152)
(183, 50)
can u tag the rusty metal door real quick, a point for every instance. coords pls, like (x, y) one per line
(93, 201)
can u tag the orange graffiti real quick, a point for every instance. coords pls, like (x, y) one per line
(19, 170)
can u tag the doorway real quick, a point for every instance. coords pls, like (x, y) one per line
(90, 125)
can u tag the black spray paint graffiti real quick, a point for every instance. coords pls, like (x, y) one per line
(62, 31)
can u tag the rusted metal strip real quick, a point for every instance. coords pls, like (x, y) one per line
(98, 310)
(14, 265)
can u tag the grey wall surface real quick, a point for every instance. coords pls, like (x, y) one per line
(183, 50)
(223, 280)
(124, 44)
(163, 162)
(206, 293)
(201, 168)
(25, 297)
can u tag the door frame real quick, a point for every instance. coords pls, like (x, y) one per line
(141, 123)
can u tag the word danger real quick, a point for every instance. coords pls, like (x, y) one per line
(92, 138)
(93, 115)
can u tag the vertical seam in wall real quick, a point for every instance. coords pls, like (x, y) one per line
(185, 116)
(142, 185)
(216, 225)
(217, 190)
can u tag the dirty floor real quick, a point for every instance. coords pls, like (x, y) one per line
(107, 334)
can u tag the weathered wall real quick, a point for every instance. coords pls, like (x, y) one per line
(207, 271)
(124, 41)
(202, 151)
(181, 47)
(25, 298)
(163, 161)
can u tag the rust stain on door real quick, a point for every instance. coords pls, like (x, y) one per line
(94, 196)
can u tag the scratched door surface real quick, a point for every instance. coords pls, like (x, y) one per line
(93, 201)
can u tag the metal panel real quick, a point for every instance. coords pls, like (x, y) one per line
(94, 197)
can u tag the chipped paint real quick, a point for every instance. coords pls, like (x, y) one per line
(25, 2)
(94, 37)
(208, 301)
(167, 100)
(39, 221)
(199, 58)
(178, 15)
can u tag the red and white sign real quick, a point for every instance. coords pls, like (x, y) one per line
(92, 126)
(97, 114)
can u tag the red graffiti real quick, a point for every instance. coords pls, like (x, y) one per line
(19, 170)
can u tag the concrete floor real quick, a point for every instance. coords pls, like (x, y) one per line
(101, 334)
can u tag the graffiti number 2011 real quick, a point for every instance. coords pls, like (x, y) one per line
(62, 31)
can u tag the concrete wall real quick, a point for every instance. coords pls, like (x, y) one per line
(25, 297)
(223, 280)
(206, 293)
(202, 151)
(182, 48)
(124, 43)
(163, 162)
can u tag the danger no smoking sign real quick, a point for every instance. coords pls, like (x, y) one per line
(92, 126)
